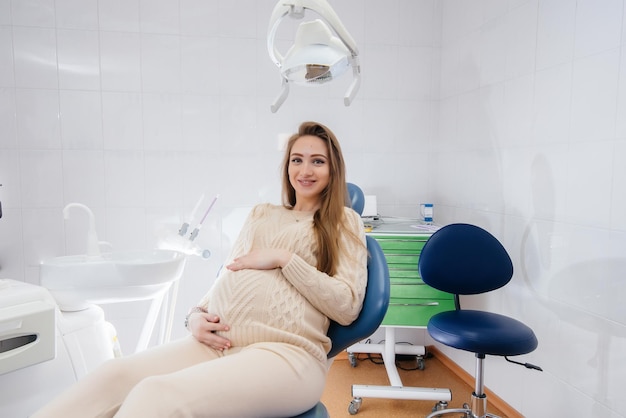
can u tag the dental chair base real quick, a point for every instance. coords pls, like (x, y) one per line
(396, 390)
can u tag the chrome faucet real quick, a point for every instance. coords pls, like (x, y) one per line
(93, 247)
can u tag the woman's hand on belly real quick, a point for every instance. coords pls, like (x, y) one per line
(203, 327)
(261, 259)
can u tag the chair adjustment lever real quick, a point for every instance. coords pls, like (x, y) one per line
(527, 365)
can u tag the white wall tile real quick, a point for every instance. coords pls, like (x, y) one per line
(468, 74)
(552, 104)
(7, 119)
(385, 17)
(556, 21)
(126, 228)
(594, 96)
(418, 23)
(33, 13)
(5, 12)
(620, 124)
(589, 17)
(518, 101)
(238, 125)
(160, 63)
(38, 124)
(81, 119)
(76, 14)
(78, 59)
(493, 53)
(120, 61)
(119, 15)
(522, 40)
(163, 179)
(237, 60)
(549, 178)
(10, 191)
(159, 16)
(199, 17)
(161, 121)
(414, 126)
(122, 127)
(589, 170)
(41, 178)
(200, 123)
(124, 179)
(414, 73)
(379, 72)
(42, 235)
(200, 64)
(12, 244)
(618, 185)
(7, 76)
(83, 177)
(237, 19)
(35, 58)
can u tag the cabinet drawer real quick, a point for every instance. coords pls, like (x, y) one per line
(402, 260)
(414, 312)
(401, 245)
(417, 290)
(411, 275)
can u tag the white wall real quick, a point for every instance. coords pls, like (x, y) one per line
(531, 144)
(138, 107)
(507, 114)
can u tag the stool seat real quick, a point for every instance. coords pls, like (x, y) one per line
(482, 332)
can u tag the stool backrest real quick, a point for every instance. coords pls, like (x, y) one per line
(464, 259)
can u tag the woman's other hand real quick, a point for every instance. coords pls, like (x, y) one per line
(203, 327)
(261, 259)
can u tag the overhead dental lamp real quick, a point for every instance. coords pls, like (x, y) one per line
(319, 54)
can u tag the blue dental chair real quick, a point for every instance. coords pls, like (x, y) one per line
(464, 259)
(374, 305)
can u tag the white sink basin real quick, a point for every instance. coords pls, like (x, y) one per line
(76, 281)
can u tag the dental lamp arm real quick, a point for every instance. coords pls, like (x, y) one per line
(282, 97)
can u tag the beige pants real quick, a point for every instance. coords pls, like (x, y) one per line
(187, 379)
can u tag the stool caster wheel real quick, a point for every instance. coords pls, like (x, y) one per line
(355, 405)
(352, 359)
(421, 365)
(439, 406)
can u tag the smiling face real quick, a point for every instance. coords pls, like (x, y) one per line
(309, 171)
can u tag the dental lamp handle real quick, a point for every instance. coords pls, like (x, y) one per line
(282, 97)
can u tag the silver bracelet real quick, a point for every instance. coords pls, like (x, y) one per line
(192, 311)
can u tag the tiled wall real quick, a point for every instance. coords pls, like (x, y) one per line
(139, 107)
(531, 145)
(508, 114)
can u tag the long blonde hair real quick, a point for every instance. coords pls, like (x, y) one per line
(329, 220)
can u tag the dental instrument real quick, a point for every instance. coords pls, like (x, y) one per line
(196, 230)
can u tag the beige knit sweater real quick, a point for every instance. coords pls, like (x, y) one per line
(293, 304)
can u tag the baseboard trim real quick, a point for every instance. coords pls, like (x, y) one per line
(494, 399)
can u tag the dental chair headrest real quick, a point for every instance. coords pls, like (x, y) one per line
(357, 198)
